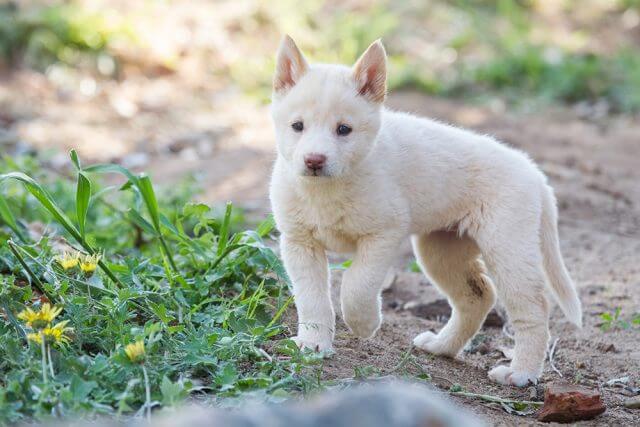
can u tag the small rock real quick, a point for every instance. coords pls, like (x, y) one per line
(533, 393)
(567, 403)
(484, 348)
(393, 305)
(607, 348)
(632, 402)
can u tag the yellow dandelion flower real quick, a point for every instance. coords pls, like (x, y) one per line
(69, 260)
(89, 263)
(135, 351)
(39, 319)
(53, 335)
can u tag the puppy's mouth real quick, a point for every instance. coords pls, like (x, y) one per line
(315, 173)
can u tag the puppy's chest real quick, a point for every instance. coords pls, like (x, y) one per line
(333, 226)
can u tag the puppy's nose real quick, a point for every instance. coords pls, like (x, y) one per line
(315, 161)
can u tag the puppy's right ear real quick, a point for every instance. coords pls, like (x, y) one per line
(290, 66)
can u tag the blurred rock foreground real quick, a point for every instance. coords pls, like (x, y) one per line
(378, 405)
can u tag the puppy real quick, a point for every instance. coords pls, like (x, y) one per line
(354, 177)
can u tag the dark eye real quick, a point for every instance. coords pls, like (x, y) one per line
(343, 130)
(297, 126)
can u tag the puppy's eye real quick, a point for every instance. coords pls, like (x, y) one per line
(297, 126)
(343, 130)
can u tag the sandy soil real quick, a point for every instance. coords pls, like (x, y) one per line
(591, 161)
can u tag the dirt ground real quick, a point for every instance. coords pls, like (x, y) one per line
(592, 162)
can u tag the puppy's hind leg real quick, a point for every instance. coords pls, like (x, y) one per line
(453, 263)
(514, 260)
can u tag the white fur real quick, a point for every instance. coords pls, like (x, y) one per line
(481, 216)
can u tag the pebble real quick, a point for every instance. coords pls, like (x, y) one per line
(566, 403)
(632, 403)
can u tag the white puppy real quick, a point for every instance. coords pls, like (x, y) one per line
(352, 176)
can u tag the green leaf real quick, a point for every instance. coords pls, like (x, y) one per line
(111, 168)
(172, 393)
(7, 216)
(45, 199)
(149, 196)
(224, 229)
(266, 226)
(83, 197)
(75, 160)
(137, 219)
(81, 388)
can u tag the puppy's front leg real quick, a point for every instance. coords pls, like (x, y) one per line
(363, 281)
(308, 269)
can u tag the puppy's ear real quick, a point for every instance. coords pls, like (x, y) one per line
(370, 73)
(290, 65)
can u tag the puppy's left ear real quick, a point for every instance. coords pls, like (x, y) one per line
(370, 73)
(290, 66)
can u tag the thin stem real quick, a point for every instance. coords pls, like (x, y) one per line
(44, 357)
(147, 390)
(496, 399)
(167, 252)
(36, 280)
(53, 375)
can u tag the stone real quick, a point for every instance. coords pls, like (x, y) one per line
(632, 403)
(377, 404)
(566, 403)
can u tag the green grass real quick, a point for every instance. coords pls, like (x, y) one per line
(615, 320)
(59, 32)
(205, 299)
(508, 61)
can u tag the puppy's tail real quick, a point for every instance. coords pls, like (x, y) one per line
(557, 274)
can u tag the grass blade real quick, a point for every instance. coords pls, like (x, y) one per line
(75, 159)
(138, 220)
(7, 217)
(224, 229)
(46, 200)
(33, 278)
(83, 196)
(149, 196)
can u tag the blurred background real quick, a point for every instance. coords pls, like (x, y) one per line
(182, 87)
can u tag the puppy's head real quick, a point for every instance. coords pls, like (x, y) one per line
(327, 116)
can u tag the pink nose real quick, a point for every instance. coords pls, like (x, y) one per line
(315, 161)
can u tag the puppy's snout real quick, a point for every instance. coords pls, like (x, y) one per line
(314, 161)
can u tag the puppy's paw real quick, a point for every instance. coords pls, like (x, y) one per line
(434, 344)
(314, 343)
(363, 324)
(508, 376)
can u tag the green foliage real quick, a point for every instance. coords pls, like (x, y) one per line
(209, 325)
(456, 48)
(614, 320)
(510, 60)
(56, 32)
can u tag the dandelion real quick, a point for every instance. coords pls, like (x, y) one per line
(136, 354)
(39, 319)
(89, 263)
(135, 351)
(52, 334)
(45, 334)
(69, 260)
